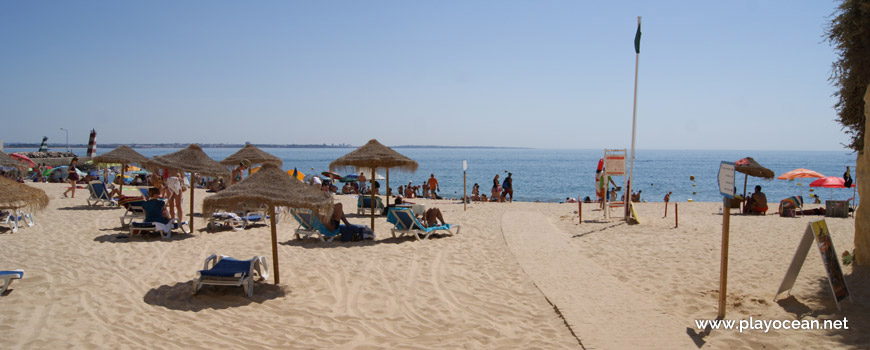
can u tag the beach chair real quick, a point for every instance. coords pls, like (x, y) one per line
(134, 209)
(407, 223)
(237, 221)
(364, 203)
(13, 217)
(164, 230)
(221, 270)
(789, 207)
(8, 276)
(310, 225)
(99, 194)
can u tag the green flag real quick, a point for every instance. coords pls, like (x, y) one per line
(637, 39)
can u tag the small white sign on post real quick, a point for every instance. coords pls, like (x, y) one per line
(726, 188)
(726, 179)
(464, 165)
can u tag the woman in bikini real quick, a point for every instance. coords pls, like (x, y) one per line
(175, 187)
(239, 171)
(72, 178)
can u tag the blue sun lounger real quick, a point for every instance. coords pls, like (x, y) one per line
(310, 225)
(8, 276)
(144, 226)
(407, 223)
(99, 194)
(221, 270)
(13, 216)
(364, 203)
(237, 221)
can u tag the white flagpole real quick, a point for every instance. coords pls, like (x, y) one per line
(628, 191)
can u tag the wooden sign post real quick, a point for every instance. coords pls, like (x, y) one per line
(726, 184)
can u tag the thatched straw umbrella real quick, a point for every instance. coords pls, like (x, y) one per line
(123, 155)
(7, 160)
(14, 195)
(273, 187)
(750, 167)
(193, 160)
(374, 155)
(253, 155)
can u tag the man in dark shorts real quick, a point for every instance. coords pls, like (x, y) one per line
(508, 187)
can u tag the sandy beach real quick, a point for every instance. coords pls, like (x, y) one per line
(517, 276)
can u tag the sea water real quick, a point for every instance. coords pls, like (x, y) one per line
(551, 175)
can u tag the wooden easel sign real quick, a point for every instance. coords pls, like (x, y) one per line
(819, 230)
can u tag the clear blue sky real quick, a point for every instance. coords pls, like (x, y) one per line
(546, 74)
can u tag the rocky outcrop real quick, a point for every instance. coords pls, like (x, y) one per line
(862, 178)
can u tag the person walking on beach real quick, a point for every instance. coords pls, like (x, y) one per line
(433, 186)
(508, 187)
(72, 177)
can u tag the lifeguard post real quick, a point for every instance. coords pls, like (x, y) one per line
(614, 166)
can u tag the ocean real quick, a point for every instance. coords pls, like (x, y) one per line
(551, 175)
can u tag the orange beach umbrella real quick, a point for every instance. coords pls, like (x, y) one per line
(800, 173)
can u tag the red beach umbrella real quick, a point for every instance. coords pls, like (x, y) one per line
(23, 158)
(331, 174)
(831, 182)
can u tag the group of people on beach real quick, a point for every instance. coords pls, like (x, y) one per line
(500, 191)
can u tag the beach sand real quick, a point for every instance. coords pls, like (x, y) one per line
(518, 275)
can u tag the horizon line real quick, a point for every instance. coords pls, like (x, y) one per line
(323, 145)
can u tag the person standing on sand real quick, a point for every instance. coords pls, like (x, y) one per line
(495, 188)
(361, 179)
(72, 177)
(175, 187)
(508, 187)
(847, 178)
(239, 172)
(433, 186)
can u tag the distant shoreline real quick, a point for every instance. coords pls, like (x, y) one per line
(225, 145)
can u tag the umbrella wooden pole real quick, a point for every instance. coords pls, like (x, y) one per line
(388, 187)
(372, 192)
(123, 165)
(191, 200)
(745, 180)
(464, 193)
(274, 244)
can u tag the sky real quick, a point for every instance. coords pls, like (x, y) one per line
(744, 75)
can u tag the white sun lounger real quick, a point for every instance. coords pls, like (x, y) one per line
(8, 276)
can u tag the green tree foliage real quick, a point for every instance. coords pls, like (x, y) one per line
(850, 34)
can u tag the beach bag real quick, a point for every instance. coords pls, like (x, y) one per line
(355, 233)
(350, 233)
